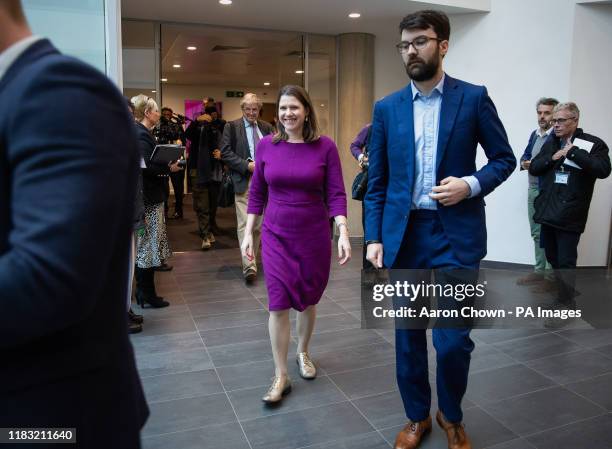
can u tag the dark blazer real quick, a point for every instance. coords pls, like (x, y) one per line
(68, 174)
(154, 176)
(236, 157)
(467, 118)
(566, 206)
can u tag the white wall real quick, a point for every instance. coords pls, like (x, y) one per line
(523, 50)
(591, 67)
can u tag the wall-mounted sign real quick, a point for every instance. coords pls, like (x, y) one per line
(234, 93)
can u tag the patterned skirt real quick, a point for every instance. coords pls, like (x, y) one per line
(153, 247)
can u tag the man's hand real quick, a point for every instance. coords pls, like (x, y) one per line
(217, 153)
(525, 165)
(374, 254)
(563, 151)
(450, 191)
(251, 167)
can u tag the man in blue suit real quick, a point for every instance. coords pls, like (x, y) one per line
(425, 207)
(68, 175)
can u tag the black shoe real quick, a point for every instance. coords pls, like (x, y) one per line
(134, 328)
(135, 318)
(164, 267)
(156, 302)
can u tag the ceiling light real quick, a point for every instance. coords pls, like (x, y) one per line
(192, 48)
(153, 91)
(354, 15)
(266, 83)
(177, 66)
(322, 105)
(299, 72)
(225, 2)
(164, 80)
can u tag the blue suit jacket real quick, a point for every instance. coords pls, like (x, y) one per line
(68, 176)
(467, 118)
(527, 153)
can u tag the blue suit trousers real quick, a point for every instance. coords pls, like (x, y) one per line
(425, 246)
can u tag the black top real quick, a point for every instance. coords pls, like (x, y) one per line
(154, 175)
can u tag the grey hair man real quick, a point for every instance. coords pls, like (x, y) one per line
(238, 147)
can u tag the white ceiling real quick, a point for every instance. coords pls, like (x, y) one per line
(267, 55)
(313, 16)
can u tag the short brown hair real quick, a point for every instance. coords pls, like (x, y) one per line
(422, 20)
(547, 101)
(310, 132)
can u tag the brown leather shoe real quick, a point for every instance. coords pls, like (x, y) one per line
(455, 433)
(411, 435)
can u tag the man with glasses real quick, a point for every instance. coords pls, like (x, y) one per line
(568, 165)
(238, 145)
(425, 207)
(544, 110)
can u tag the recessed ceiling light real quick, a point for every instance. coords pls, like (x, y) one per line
(192, 48)
(164, 80)
(225, 2)
(322, 105)
(266, 83)
(354, 15)
(299, 72)
(153, 91)
(177, 66)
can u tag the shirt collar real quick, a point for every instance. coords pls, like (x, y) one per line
(11, 54)
(547, 133)
(247, 123)
(439, 87)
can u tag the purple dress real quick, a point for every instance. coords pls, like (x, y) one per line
(301, 187)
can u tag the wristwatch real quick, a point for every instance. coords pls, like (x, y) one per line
(372, 241)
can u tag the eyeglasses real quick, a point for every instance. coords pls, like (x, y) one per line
(419, 43)
(561, 121)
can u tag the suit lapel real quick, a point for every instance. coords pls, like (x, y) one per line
(243, 138)
(451, 102)
(405, 129)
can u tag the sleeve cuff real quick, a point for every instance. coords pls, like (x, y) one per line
(474, 184)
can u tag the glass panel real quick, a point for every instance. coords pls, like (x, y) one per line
(322, 81)
(140, 58)
(76, 27)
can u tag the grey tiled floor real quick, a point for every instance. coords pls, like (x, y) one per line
(205, 362)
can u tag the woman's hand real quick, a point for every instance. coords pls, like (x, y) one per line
(174, 167)
(344, 247)
(246, 248)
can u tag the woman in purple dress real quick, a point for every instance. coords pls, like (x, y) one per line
(298, 180)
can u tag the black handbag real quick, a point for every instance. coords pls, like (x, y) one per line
(226, 191)
(360, 185)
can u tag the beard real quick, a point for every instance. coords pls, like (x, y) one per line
(419, 70)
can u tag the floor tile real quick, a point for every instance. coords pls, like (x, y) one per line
(306, 427)
(147, 345)
(235, 319)
(221, 307)
(590, 434)
(596, 389)
(502, 383)
(572, 367)
(238, 354)
(249, 375)
(158, 364)
(232, 335)
(356, 357)
(186, 414)
(226, 436)
(366, 382)
(541, 410)
(181, 385)
(367, 441)
(168, 326)
(536, 347)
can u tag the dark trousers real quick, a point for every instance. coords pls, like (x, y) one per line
(178, 185)
(213, 201)
(561, 248)
(426, 247)
(201, 206)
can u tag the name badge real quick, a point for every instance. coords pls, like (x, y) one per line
(561, 177)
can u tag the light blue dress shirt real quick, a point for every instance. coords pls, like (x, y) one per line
(249, 133)
(426, 113)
